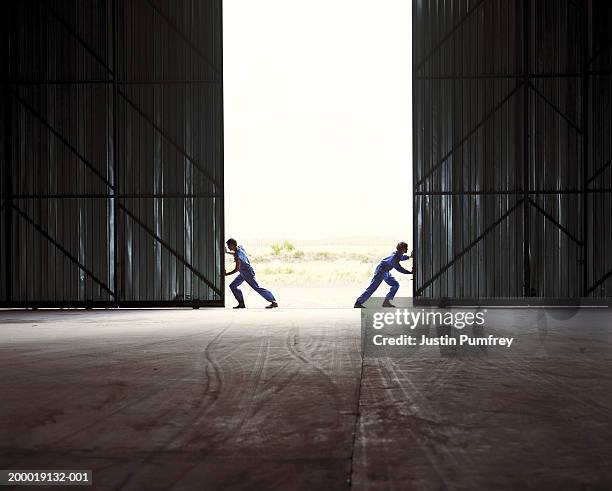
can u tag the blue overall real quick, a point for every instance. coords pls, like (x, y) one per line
(383, 273)
(246, 273)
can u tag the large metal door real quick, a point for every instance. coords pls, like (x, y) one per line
(512, 177)
(112, 182)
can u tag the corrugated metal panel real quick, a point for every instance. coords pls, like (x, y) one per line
(116, 153)
(599, 240)
(505, 145)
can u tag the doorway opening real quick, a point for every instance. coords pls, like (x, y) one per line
(318, 143)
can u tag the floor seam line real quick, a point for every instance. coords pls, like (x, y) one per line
(356, 425)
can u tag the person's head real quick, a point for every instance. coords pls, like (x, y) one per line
(402, 247)
(232, 245)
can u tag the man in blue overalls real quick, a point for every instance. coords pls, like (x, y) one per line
(245, 273)
(383, 273)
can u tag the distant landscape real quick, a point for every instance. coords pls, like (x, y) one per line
(320, 263)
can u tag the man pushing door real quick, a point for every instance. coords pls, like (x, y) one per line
(383, 273)
(245, 273)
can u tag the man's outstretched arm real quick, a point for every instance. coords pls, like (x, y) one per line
(402, 270)
(236, 268)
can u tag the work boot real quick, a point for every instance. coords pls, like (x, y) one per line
(358, 306)
(240, 306)
(273, 305)
(387, 303)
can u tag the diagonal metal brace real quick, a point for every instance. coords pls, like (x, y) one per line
(182, 35)
(161, 131)
(555, 222)
(63, 250)
(75, 35)
(599, 171)
(599, 282)
(469, 247)
(481, 123)
(73, 149)
(169, 248)
(448, 35)
(554, 107)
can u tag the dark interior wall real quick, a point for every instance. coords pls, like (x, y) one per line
(112, 138)
(512, 132)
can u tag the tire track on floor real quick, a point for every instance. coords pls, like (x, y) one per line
(199, 415)
(430, 420)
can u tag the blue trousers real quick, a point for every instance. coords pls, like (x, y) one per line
(379, 277)
(252, 282)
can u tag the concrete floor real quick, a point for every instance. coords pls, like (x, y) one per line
(256, 399)
(307, 297)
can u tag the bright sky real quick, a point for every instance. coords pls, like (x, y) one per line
(318, 118)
